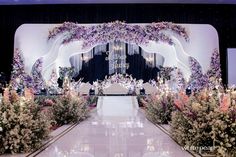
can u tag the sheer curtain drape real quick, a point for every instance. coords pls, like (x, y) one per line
(153, 59)
(117, 57)
(117, 53)
(133, 49)
(77, 60)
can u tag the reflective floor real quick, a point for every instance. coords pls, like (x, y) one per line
(116, 129)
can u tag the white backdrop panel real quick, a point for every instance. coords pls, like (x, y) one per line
(31, 39)
(231, 66)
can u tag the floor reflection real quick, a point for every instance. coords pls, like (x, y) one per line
(117, 129)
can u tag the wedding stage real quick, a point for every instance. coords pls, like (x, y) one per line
(128, 89)
(112, 58)
(117, 106)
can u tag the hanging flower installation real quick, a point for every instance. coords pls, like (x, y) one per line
(106, 32)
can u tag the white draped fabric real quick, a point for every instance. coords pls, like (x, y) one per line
(76, 62)
(117, 57)
(133, 49)
(77, 59)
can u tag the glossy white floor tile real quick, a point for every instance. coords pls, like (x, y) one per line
(116, 129)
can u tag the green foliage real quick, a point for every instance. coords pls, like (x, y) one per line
(180, 127)
(207, 120)
(142, 100)
(69, 109)
(159, 108)
(91, 101)
(42, 99)
(23, 127)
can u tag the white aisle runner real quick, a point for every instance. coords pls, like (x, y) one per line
(116, 129)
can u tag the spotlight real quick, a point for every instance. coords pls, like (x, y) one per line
(188, 91)
(43, 91)
(19, 90)
(142, 91)
(91, 91)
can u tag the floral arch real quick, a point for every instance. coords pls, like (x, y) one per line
(107, 32)
(89, 36)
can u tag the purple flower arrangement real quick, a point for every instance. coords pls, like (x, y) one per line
(66, 72)
(180, 79)
(165, 72)
(198, 80)
(214, 72)
(36, 73)
(118, 30)
(19, 78)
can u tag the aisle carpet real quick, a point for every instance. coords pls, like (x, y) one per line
(116, 128)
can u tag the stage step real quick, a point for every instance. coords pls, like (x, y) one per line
(117, 106)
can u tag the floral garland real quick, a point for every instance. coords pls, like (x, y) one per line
(127, 81)
(106, 32)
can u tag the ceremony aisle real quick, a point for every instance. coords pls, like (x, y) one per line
(117, 128)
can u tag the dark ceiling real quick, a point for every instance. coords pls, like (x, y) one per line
(23, 2)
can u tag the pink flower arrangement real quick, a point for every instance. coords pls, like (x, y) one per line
(29, 94)
(48, 102)
(13, 97)
(225, 103)
(181, 101)
(144, 101)
(178, 104)
(6, 95)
